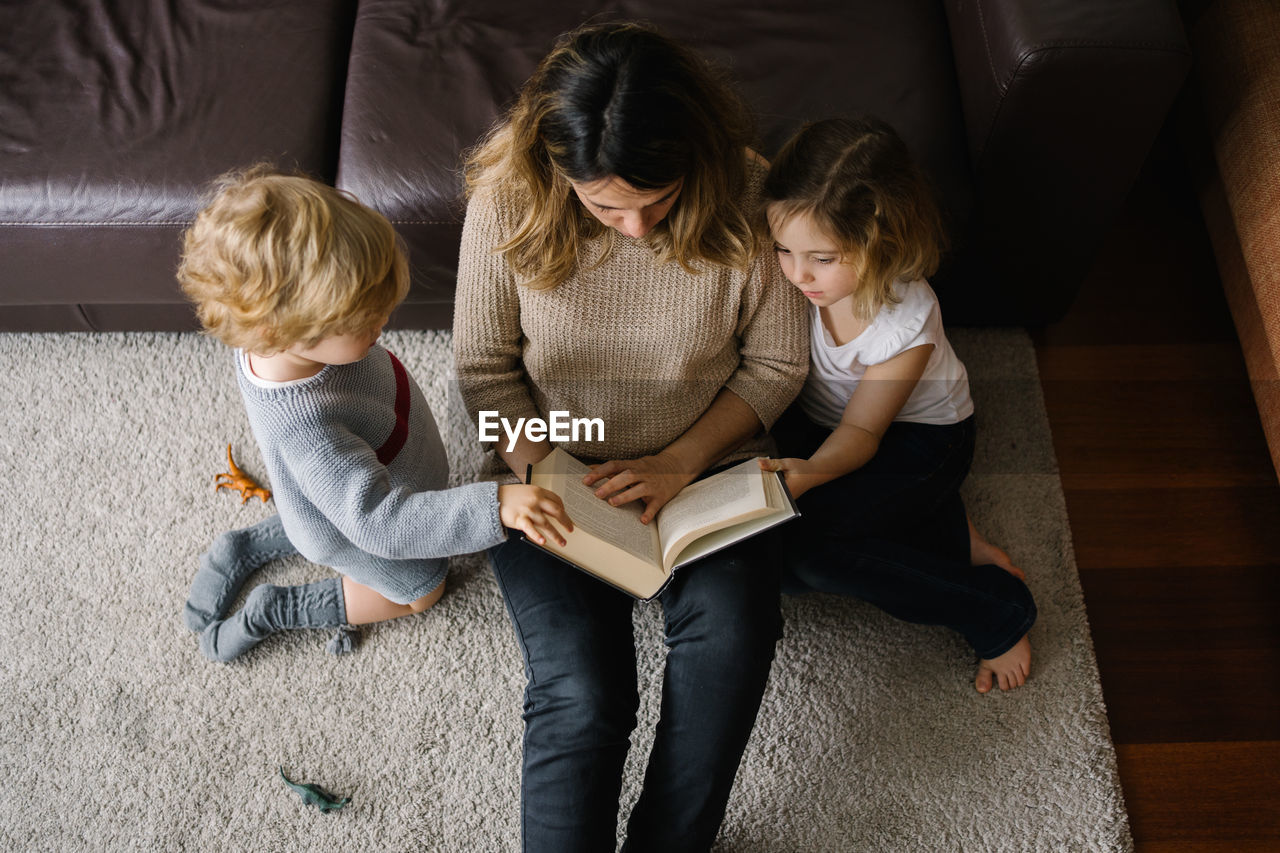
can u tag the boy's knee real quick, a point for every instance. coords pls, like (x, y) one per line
(427, 601)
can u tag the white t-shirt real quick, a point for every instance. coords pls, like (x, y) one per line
(941, 396)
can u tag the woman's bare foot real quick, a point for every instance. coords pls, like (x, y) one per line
(1008, 670)
(983, 553)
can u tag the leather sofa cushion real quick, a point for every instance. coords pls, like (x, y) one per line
(116, 114)
(426, 80)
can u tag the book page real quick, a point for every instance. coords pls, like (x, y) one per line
(779, 510)
(705, 505)
(618, 525)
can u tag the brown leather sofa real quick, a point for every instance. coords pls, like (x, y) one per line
(1032, 118)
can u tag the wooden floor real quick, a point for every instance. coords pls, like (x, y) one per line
(1175, 515)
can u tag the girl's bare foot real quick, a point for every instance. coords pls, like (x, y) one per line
(983, 553)
(1008, 670)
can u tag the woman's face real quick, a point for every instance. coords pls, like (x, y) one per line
(621, 206)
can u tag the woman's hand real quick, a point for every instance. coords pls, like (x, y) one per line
(653, 479)
(532, 509)
(798, 473)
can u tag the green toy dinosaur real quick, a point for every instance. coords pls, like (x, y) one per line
(314, 795)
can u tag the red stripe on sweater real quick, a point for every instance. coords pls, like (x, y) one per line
(392, 446)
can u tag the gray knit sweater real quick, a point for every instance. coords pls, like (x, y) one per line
(642, 345)
(359, 475)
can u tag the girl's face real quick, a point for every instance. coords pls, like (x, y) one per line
(811, 260)
(623, 207)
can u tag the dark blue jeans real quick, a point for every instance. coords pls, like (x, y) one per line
(721, 620)
(894, 533)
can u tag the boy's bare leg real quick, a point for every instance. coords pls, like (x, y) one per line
(983, 553)
(1008, 670)
(365, 606)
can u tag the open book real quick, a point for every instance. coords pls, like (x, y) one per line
(707, 515)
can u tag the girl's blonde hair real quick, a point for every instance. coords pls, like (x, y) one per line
(857, 182)
(620, 100)
(277, 260)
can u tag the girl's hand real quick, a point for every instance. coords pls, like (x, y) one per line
(797, 473)
(532, 509)
(652, 479)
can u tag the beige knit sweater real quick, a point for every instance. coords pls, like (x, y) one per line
(644, 346)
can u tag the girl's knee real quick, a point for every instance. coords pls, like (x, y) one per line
(806, 576)
(1015, 593)
(1027, 603)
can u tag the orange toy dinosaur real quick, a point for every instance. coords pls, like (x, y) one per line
(237, 479)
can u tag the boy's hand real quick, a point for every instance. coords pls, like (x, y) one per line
(532, 509)
(797, 472)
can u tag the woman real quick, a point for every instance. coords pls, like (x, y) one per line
(608, 269)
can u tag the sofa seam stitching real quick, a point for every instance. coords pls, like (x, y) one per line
(986, 42)
(66, 222)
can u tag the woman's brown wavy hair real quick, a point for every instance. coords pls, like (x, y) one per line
(620, 100)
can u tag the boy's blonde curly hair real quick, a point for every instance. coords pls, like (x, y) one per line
(280, 260)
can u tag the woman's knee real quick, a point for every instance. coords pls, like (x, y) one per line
(581, 707)
(730, 610)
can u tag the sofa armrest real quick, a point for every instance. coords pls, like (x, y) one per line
(1011, 53)
(1062, 100)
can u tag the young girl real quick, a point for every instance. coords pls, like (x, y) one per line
(882, 434)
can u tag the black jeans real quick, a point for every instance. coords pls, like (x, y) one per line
(894, 534)
(721, 621)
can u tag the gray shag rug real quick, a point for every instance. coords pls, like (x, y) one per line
(117, 735)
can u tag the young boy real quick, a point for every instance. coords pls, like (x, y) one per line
(299, 278)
